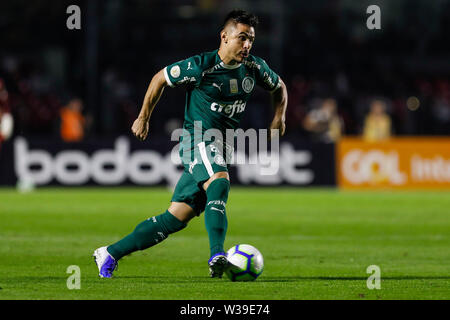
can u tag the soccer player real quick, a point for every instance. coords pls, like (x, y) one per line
(218, 85)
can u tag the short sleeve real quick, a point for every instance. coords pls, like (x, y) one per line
(266, 77)
(188, 71)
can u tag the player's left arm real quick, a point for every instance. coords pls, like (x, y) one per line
(279, 103)
(270, 81)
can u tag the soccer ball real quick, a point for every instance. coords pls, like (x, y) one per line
(246, 263)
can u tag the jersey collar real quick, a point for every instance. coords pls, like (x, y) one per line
(227, 66)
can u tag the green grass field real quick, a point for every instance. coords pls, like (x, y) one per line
(317, 244)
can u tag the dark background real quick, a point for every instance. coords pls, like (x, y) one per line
(320, 48)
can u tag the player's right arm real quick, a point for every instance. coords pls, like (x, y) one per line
(184, 72)
(155, 89)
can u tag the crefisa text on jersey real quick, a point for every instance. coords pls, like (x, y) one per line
(230, 109)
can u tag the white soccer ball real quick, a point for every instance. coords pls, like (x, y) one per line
(246, 263)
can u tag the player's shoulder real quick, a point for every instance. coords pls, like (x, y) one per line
(205, 60)
(210, 55)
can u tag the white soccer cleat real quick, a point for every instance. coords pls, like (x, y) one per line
(105, 262)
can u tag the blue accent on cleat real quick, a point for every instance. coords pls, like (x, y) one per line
(108, 267)
(217, 264)
(217, 254)
(105, 262)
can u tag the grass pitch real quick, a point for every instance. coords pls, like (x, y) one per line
(317, 244)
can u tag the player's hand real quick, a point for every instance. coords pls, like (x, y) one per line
(140, 128)
(277, 124)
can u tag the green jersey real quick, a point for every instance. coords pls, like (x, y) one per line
(216, 92)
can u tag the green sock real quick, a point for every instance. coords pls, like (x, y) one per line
(215, 216)
(146, 234)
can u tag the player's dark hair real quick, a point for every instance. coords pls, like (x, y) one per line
(241, 16)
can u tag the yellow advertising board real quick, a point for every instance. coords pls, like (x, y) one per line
(399, 163)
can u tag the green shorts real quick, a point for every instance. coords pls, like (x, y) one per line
(206, 160)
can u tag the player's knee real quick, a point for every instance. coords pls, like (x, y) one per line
(181, 211)
(216, 176)
(170, 223)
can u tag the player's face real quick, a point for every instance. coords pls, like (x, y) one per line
(240, 41)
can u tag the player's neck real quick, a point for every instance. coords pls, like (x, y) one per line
(226, 59)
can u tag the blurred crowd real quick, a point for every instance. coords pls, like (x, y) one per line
(375, 117)
(342, 79)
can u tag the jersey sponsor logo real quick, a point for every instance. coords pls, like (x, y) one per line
(234, 86)
(267, 79)
(248, 84)
(189, 66)
(211, 70)
(175, 71)
(252, 64)
(229, 109)
(186, 80)
(218, 86)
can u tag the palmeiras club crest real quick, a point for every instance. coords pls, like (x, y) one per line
(248, 84)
